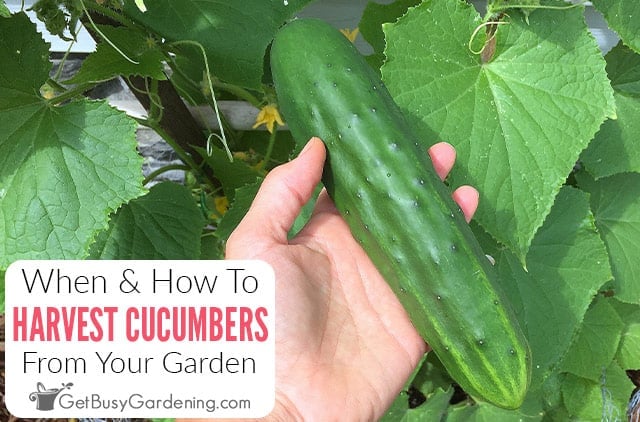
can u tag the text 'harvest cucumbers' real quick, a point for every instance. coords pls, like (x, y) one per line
(382, 181)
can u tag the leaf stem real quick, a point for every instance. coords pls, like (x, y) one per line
(238, 91)
(70, 93)
(182, 154)
(56, 85)
(230, 131)
(110, 13)
(492, 9)
(208, 75)
(235, 90)
(269, 152)
(104, 37)
(155, 110)
(64, 59)
(162, 170)
(477, 30)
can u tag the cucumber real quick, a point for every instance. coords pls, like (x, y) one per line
(381, 179)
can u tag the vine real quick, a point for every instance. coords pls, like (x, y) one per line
(104, 37)
(222, 137)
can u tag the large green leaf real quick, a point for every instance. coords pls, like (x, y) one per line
(622, 17)
(166, 223)
(234, 34)
(615, 148)
(25, 64)
(615, 201)
(597, 342)
(602, 400)
(567, 264)
(63, 169)
(628, 356)
(519, 115)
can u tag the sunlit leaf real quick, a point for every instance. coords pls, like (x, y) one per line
(519, 114)
(63, 169)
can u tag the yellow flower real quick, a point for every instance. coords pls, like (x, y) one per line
(222, 204)
(268, 115)
(351, 34)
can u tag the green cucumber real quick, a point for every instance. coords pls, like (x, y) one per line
(382, 181)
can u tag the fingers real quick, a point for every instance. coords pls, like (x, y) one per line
(467, 198)
(288, 187)
(282, 195)
(443, 155)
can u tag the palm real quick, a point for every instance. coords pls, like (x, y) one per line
(327, 313)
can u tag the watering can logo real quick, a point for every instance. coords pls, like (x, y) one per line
(45, 398)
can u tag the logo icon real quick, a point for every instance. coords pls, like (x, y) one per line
(46, 397)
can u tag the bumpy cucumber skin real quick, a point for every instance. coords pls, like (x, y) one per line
(383, 183)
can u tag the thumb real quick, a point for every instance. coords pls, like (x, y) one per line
(283, 193)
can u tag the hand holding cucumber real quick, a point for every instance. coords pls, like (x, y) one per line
(345, 346)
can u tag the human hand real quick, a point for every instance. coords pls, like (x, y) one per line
(344, 344)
